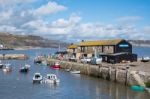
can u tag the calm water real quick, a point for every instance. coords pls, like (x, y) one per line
(19, 86)
(142, 51)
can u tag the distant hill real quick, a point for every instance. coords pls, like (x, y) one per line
(142, 43)
(28, 41)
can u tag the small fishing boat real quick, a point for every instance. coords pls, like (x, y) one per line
(148, 90)
(37, 78)
(145, 59)
(44, 62)
(1, 66)
(137, 88)
(37, 61)
(68, 70)
(56, 66)
(25, 69)
(75, 72)
(7, 68)
(51, 78)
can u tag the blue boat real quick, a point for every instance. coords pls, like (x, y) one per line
(137, 88)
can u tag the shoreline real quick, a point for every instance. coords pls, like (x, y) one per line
(147, 46)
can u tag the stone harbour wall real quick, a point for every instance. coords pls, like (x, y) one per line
(116, 74)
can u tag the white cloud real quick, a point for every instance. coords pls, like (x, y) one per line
(26, 20)
(51, 7)
(12, 29)
(12, 2)
(129, 18)
(5, 15)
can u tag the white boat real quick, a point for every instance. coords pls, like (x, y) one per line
(25, 69)
(67, 70)
(44, 62)
(7, 68)
(1, 65)
(145, 59)
(37, 78)
(51, 78)
(148, 90)
(27, 66)
(75, 72)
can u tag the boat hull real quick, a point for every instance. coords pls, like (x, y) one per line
(37, 81)
(55, 67)
(38, 61)
(75, 72)
(24, 70)
(52, 81)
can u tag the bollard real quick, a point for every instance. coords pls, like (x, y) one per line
(116, 74)
(127, 71)
(109, 74)
(100, 71)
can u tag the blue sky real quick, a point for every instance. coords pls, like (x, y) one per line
(74, 20)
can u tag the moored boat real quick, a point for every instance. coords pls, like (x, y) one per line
(44, 62)
(75, 72)
(148, 90)
(7, 68)
(1, 65)
(56, 66)
(67, 70)
(145, 59)
(51, 78)
(37, 61)
(37, 78)
(25, 69)
(137, 88)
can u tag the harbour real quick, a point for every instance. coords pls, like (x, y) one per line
(74, 49)
(68, 88)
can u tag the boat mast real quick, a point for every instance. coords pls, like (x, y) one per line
(95, 52)
(59, 47)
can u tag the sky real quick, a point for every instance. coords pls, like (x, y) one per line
(76, 20)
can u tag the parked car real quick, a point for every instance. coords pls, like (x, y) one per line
(96, 60)
(73, 59)
(86, 60)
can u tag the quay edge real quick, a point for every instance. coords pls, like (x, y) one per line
(108, 72)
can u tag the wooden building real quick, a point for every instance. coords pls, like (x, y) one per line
(88, 48)
(72, 50)
(108, 49)
(119, 57)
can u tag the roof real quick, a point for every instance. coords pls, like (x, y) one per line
(72, 46)
(100, 42)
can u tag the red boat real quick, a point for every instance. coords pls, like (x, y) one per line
(56, 66)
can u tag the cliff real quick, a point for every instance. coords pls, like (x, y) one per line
(141, 43)
(28, 41)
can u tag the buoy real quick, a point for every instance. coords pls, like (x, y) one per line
(137, 88)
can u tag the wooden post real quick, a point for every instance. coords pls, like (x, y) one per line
(127, 71)
(116, 74)
(3, 56)
(109, 73)
(100, 74)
